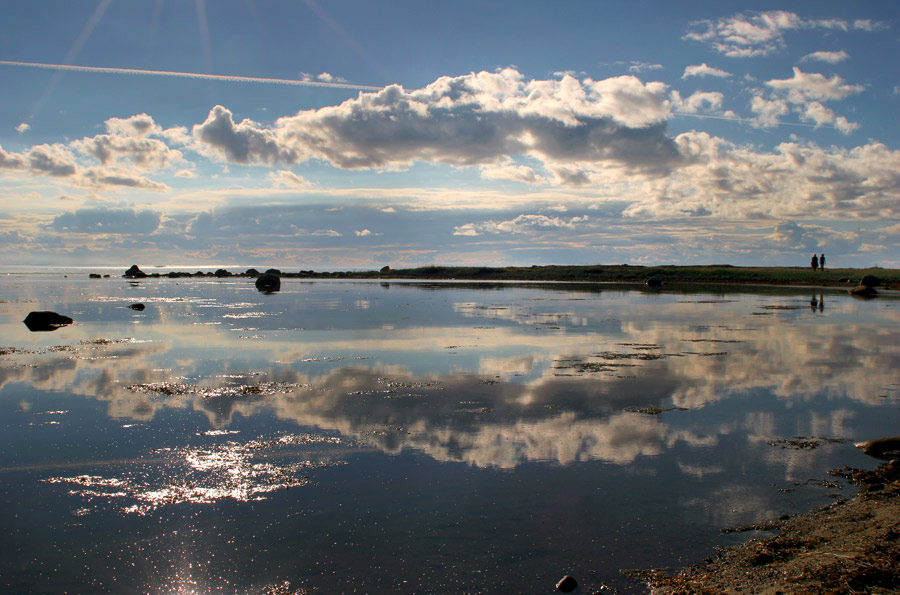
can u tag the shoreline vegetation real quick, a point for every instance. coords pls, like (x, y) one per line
(668, 274)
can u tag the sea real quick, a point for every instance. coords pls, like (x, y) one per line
(193, 435)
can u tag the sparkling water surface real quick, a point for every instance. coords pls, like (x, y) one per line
(395, 437)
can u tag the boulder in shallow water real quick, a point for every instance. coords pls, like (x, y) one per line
(654, 281)
(268, 283)
(139, 307)
(883, 448)
(135, 273)
(46, 321)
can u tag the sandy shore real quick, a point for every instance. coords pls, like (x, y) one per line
(852, 546)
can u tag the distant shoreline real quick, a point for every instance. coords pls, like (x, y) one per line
(703, 274)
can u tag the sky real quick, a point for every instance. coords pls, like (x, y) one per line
(353, 134)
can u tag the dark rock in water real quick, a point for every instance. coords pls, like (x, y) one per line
(94, 276)
(567, 584)
(138, 307)
(654, 281)
(135, 273)
(251, 273)
(222, 273)
(273, 272)
(863, 291)
(267, 283)
(882, 448)
(46, 321)
(386, 269)
(870, 281)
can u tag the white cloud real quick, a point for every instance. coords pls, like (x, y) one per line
(362, 233)
(287, 179)
(478, 119)
(521, 224)
(23, 127)
(803, 87)
(768, 112)
(638, 67)
(830, 57)
(697, 102)
(760, 34)
(704, 70)
(185, 173)
(515, 173)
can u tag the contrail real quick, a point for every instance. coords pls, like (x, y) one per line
(190, 75)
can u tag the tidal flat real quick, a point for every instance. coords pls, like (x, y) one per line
(390, 436)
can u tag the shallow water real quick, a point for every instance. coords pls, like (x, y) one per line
(394, 437)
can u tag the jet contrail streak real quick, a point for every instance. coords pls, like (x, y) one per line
(189, 75)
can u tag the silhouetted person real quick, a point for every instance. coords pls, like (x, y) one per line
(822, 262)
(814, 263)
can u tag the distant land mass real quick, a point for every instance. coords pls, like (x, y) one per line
(624, 273)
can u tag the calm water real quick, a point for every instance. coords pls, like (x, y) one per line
(417, 438)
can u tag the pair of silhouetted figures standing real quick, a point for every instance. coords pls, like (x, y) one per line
(817, 262)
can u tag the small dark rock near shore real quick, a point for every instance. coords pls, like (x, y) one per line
(268, 283)
(139, 307)
(654, 282)
(567, 584)
(46, 321)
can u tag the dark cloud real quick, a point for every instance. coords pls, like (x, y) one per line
(107, 221)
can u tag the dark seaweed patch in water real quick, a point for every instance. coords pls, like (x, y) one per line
(805, 442)
(240, 390)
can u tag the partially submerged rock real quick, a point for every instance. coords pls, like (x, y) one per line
(46, 321)
(882, 448)
(567, 584)
(139, 307)
(654, 281)
(268, 283)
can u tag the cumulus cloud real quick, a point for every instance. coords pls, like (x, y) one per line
(515, 173)
(107, 221)
(362, 233)
(760, 34)
(704, 70)
(521, 224)
(23, 127)
(697, 102)
(830, 57)
(287, 179)
(793, 181)
(479, 119)
(805, 86)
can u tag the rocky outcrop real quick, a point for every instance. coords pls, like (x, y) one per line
(46, 321)
(135, 273)
(870, 281)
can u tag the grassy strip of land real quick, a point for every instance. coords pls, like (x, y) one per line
(727, 274)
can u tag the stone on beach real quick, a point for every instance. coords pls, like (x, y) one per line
(567, 584)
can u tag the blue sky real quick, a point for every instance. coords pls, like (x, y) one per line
(414, 133)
